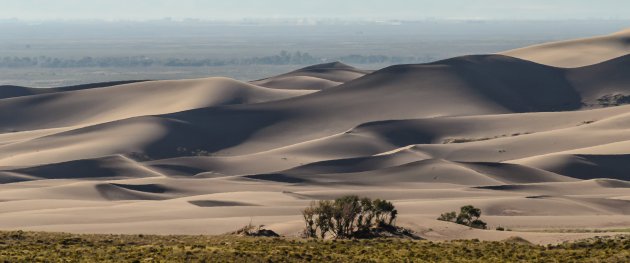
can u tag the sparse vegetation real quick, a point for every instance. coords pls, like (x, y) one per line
(193, 152)
(138, 156)
(578, 230)
(20, 246)
(468, 216)
(464, 140)
(613, 100)
(351, 217)
(251, 230)
(585, 123)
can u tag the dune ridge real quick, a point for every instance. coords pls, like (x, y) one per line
(576, 53)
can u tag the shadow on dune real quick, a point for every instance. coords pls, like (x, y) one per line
(148, 188)
(112, 191)
(510, 82)
(588, 166)
(280, 178)
(114, 167)
(599, 166)
(209, 130)
(178, 169)
(10, 91)
(333, 71)
(217, 203)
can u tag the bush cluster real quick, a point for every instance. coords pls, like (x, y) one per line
(468, 216)
(347, 216)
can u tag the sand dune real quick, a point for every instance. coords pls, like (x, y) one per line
(532, 144)
(110, 167)
(482, 139)
(336, 72)
(88, 106)
(583, 166)
(8, 91)
(317, 77)
(477, 84)
(297, 82)
(437, 171)
(576, 53)
(399, 93)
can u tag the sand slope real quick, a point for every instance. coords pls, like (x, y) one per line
(477, 84)
(576, 53)
(98, 105)
(533, 145)
(9, 91)
(316, 77)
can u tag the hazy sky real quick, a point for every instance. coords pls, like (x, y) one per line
(384, 9)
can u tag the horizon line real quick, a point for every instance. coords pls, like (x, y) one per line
(310, 18)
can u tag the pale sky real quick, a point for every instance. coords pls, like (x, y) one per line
(348, 9)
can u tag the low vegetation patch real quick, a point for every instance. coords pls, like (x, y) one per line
(468, 216)
(585, 122)
(500, 228)
(138, 156)
(464, 140)
(193, 152)
(58, 247)
(578, 230)
(254, 231)
(352, 217)
(613, 100)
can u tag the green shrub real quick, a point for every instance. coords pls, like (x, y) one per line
(347, 215)
(468, 216)
(448, 216)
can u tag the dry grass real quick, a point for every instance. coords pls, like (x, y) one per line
(58, 247)
(577, 230)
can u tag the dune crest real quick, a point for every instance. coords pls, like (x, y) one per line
(576, 53)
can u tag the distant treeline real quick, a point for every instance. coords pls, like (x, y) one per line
(283, 58)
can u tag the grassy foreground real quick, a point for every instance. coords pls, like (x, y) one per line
(20, 246)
